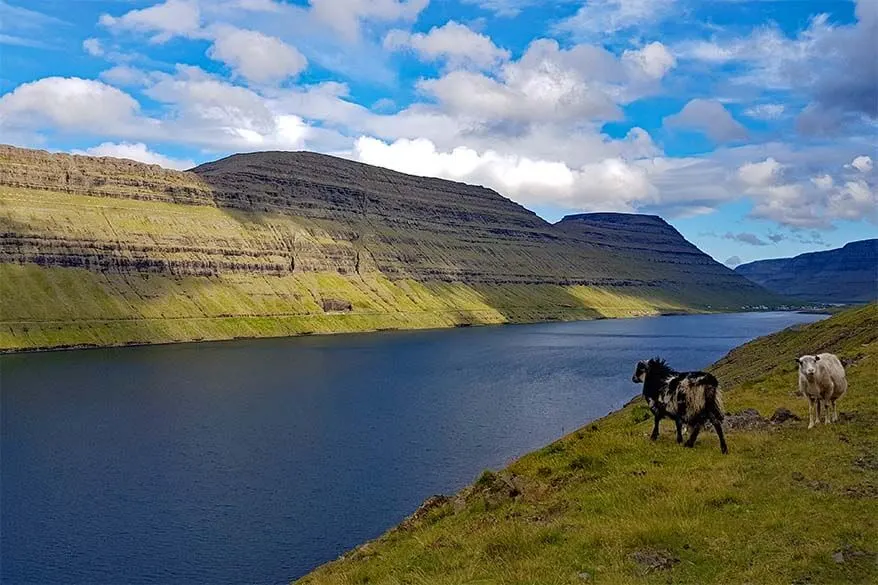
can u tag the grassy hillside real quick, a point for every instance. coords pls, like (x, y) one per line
(98, 252)
(605, 505)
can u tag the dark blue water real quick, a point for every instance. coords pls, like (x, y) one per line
(252, 462)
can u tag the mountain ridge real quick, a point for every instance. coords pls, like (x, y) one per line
(843, 275)
(99, 251)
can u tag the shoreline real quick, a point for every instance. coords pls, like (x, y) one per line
(577, 490)
(86, 347)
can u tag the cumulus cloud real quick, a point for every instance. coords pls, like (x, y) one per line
(456, 43)
(759, 174)
(815, 202)
(548, 84)
(165, 21)
(654, 60)
(709, 117)
(136, 151)
(862, 163)
(219, 114)
(70, 103)
(93, 47)
(608, 184)
(255, 56)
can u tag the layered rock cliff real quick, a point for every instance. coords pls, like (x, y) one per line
(97, 251)
(844, 275)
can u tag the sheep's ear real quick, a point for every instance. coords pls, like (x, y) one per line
(798, 361)
(816, 358)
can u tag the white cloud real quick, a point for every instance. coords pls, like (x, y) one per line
(654, 60)
(862, 163)
(93, 47)
(815, 202)
(125, 75)
(508, 8)
(255, 56)
(710, 117)
(168, 19)
(70, 103)
(217, 114)
(823, 182)
(608, 184)
(345, 16)
(607, 17)
(765, 111)
(136, 151)
(762, 173)
(456, 43)
(830, 65)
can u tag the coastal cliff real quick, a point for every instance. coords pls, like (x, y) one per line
(103, 251)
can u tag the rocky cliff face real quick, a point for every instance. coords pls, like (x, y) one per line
(281, 237)
(844, 275)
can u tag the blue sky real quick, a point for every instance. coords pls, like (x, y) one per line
(749, 125)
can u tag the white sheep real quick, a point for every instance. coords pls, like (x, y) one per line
(822, 381)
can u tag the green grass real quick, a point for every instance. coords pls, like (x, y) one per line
(51, 307)
(604, 500)
(254, 294)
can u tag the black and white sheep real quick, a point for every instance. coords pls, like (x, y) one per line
(822, 381)
(693, 398)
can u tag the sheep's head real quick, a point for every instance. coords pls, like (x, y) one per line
(808, 364)
(640, 373)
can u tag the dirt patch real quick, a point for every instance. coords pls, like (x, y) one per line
(748, 419)
(783, 415)
(652, 560)
(859, 491)
(867, 461)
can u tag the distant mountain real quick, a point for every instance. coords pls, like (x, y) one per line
(104, 251)
(844, 275)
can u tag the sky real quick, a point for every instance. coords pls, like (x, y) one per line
(750, 125)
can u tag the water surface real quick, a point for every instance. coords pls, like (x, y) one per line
(252, 462)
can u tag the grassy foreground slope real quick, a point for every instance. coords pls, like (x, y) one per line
(605, 505)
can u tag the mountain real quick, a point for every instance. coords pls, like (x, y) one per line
(103, 251)
(844, 275)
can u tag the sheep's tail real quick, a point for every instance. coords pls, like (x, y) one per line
(714, 396)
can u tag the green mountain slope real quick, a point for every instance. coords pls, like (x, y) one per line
(606, 505)
(101, 251)
(845, 275)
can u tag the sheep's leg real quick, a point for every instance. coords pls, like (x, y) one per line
(824, 407)
(834, 411)
(655, 428)
(696, 428)
(679, 430)
(717, 424)
(811, 409)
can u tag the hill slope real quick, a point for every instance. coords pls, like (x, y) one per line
(606, 505)
(844, 275)
(101, 251)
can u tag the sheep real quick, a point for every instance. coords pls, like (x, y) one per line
(693, 398)
(822, 381)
